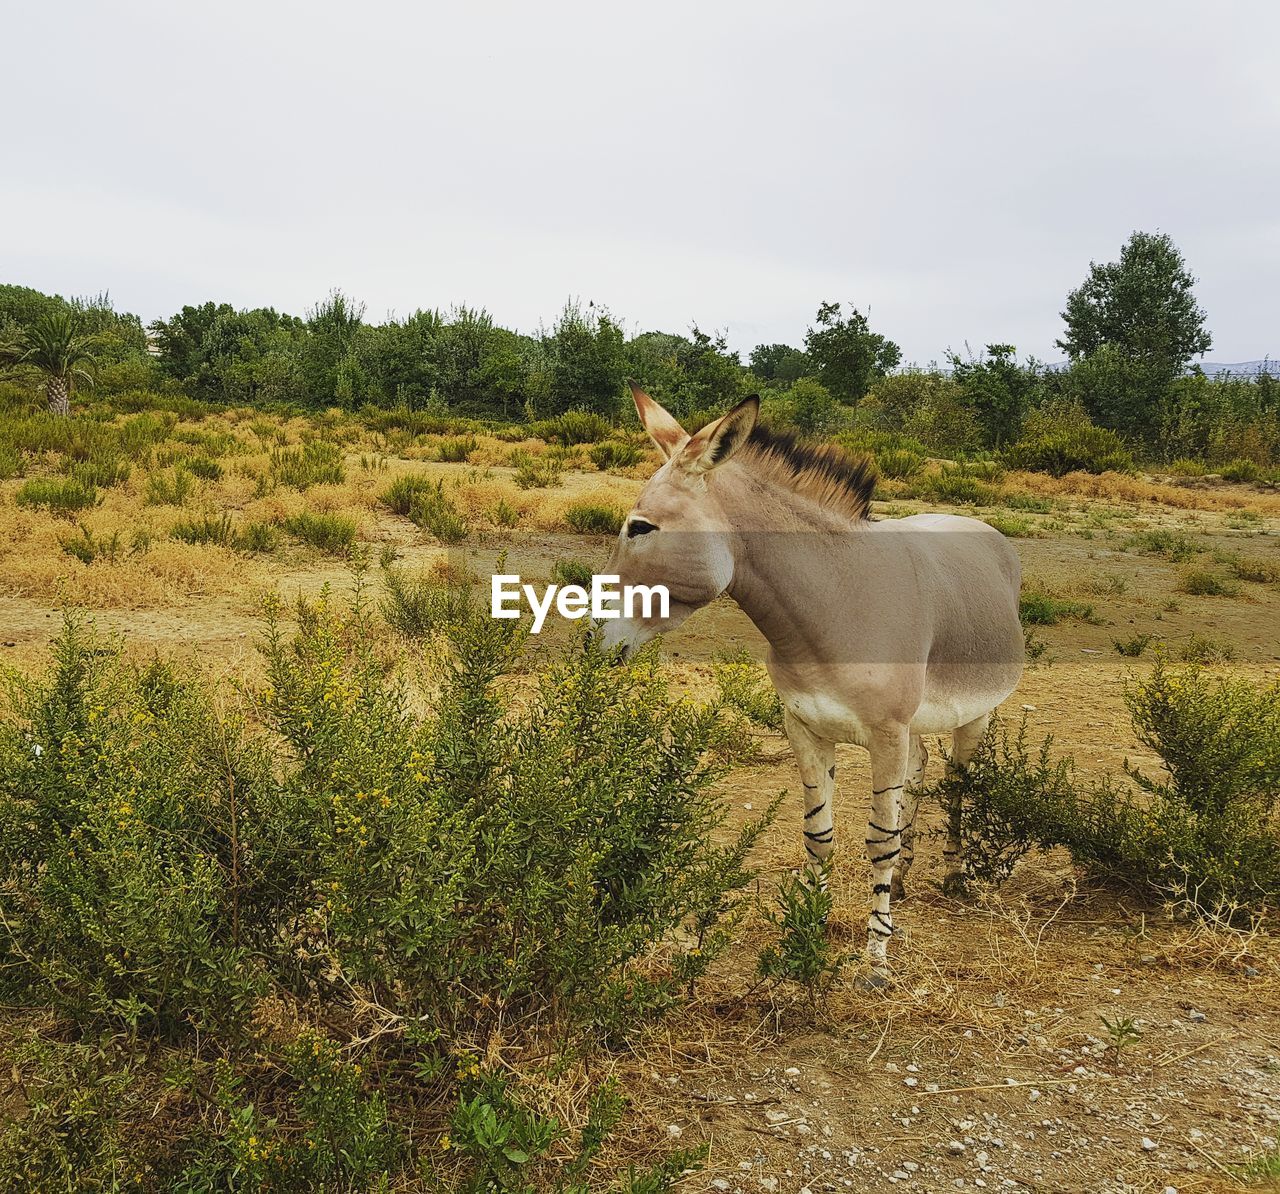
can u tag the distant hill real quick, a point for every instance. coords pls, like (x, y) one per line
(1213, 368)
(1250, 368)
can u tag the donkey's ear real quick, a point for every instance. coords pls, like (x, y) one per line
(668, 436)
(718, 441)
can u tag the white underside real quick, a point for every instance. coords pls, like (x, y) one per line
(830, 718)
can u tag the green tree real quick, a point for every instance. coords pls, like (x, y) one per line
(56, 348)
(180, 340)
(583, 363)
(778, 363)
(1143, 311)
(1142, 303)
(1000, 391)
(847, 355)
(812, 409)
(330, 367)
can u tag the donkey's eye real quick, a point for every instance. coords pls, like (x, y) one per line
(638, 526)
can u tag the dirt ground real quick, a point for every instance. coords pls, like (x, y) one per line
(985, 1064)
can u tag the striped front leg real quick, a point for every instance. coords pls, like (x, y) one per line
(889, 750)
(816, 760)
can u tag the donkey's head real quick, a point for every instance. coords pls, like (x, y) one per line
(677, 535)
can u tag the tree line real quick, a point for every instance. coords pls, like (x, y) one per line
(1131, 332)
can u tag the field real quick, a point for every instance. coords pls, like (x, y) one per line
(989, 1062)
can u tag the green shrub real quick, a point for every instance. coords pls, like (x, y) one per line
(1015, 528)
(743, 684)
(572, 572)
(403, 491)
(956, 485)
(1005, 802)
(1241, 470)
(1260, 572)
(1036, 607)
(865, 441)
(105, 469)
(318, 462)
(504, 514)
(63, 496)
(804, 952)
(418, 608)
(535, 472)
(1133, 646)
(204, 467)
(1186, 467)
(457, 451)
(573, 427)
(169, 488)
(1169, 545)
(331, 533)
(1031, 503)
(1200, 649)
(590, 518)
(1078, 449)
(1202, 582)
(258, 537)
(86, 547)
(206, 529)
(426, 504)
(899, 463)
(1204, 834)
(191, 878)
(614, 454)
(11, 461)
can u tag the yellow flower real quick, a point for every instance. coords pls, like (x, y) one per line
(445, 1142)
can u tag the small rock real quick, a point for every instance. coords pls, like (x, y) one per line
(720, 1183)
(1149, 1145)
(674, 1131)
(768, 1183)
(1028, 708)
(1196, 1017)
(954, 1147)
(910, 1081)
(792, 1071)
(1249, 972)
(1033, 1095)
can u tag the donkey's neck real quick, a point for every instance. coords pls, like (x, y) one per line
(784, 544)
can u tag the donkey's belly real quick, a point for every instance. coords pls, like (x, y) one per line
(827, 716)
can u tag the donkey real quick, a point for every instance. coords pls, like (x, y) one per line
(879, 632)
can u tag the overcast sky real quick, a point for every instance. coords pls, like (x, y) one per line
(955, 166)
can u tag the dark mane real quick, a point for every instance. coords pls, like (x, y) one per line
(822, 472)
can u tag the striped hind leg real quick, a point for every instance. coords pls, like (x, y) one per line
(917, 761)
(964, 741)
(816, 760)
(890, 748)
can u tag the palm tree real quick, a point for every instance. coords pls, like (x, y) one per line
(55, 346)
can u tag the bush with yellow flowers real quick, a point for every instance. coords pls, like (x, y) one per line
(325, 900)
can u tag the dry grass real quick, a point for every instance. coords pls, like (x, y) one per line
(1115, 487)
